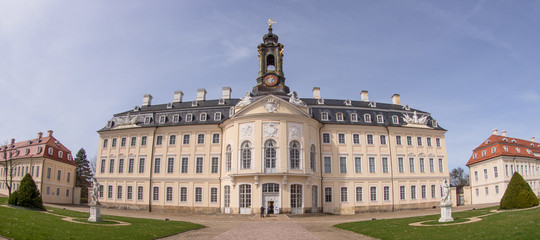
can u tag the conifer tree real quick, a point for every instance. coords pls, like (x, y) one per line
(518, 194)
(27, 195)
(83, 174)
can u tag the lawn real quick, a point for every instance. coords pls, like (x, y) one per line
(29, 224)
(506, 225)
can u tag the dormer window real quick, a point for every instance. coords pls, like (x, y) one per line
(221, 101)
(367, 118)
(339, 116)
(493, 149)
(487, 141)
(395, 119)
(483, 153)
(203, 117)
(175, 118)
(434, 123)
(69, 157)
(217, 116)
(29, 142)
(320, 101)
(110, 124)
(505, 139)
(162, 119)
(474, 156)
(518, 150)
(147, 120)
(380, 119)
(372, 104)
(354, 117)
(50, 151)
(505, 148)
(60, 154)
(514, 141)
(348, 102)
(136, 108)
(324, 116)
(189, 117)
(39, 149)
(194, 103)
(231, 111)
(27, 151)
(169, 105)
(528, 151)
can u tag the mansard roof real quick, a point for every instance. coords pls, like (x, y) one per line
(504, 146)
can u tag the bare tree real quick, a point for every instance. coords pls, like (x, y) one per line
(9, 166)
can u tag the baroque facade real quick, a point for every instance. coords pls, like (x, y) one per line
(49, 163)
(272, 149)
(495, 161)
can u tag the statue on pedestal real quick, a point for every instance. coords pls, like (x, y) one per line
(446, 202)
(95, 206)
(95, 192)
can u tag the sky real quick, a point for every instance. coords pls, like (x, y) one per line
(70, 65)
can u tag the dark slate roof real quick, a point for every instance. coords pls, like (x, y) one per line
(149, 116)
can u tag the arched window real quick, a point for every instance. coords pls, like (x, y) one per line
(367, 118)
(270, 63)
(339, 116)
(395, 119)
(228, 158)
(294, 155)
(245, 154)
(312, 158)
(270, 154)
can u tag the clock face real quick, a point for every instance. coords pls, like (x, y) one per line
(271, 80)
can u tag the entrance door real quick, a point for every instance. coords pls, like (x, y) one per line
(227, 199)
(314, 199)
(296, 199)
(245, 199)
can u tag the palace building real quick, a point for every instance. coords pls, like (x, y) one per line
(271, 148)
(495, 161)
(49, 163)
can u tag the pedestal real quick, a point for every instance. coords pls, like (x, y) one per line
(446, 213)
(95, 213)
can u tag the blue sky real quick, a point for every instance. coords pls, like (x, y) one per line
(70, 65)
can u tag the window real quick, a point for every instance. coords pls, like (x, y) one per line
(485, 174)
(506, 170)
(159, 140)
(217, 116)
(496, 189)
(313, 158)
(213, 195)
(385, 164)
(419, 140)
(102, 170)
(155, 195)
(373, 193)
(395, 119)
(324, 116)
(228, 160)
(369, 139)
(119, 192)
(184, 168)
(170, 165)
(59, 175)
(411, 165)
(172, 139)
(413, 192)
(327, 164)
(133, 141)
(141, 165)
(123, 142)
(245, 155)
(386, 193)
(328, 194)
(50, 151)
(129, 193)
(400, 165)
(358, 164)
(341, 138)
(422, 165)
(486, 189)
(383, 139)
(398, 140)
(424, 192)
(203, 117)
(111, 166)
(270, 188)
(326, 137)
(441, 169)
(367, 118)
(215, 161)
(483, 153)
(380, 119)
(294, 155)
(175, 118)
(162, 119)
(198, 194)
(339, 116)
(428, 141)
(371, 164)
(105, 142)
(183, 194)
(215, 138)
(431, 165)
(157, 165)
(131, 164)
(475, 176)
(344, 194)
(147, 120)
(354, 117)
(518, 150)
(356, 138)
(359, 194)
(343, 164)
(199, 165)
(140, 193)
(433, 191)
(189, 117)
(169, 194)
(409, 141)
(505, 148)
(438, 142)
(186, 139)
(109, 191)
(143, 141)
(200, 138)
(402, 192)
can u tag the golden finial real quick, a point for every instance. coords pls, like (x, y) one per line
(270, 22)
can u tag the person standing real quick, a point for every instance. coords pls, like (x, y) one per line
(262, 211)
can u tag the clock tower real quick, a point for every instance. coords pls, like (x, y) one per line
(270, 79)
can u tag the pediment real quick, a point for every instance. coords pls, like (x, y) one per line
(271, 104)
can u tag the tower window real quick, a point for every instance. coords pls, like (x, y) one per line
(270, 63)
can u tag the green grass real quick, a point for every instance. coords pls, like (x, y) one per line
(29, 224)
(506, 225)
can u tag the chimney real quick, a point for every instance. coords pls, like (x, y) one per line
(364, 96)
(496, 132)
(147, 100)
(39, 135)
(317, 92)
(395, 99)
(12, 140)
(201, 94)
(504, 133)
(533, 139)
(226, 93)
(49, 133)
(178, 95)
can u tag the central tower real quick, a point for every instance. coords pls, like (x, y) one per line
(270, 79)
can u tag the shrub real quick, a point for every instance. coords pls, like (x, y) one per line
(13, 198)
(28, 194)
(518, 194)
